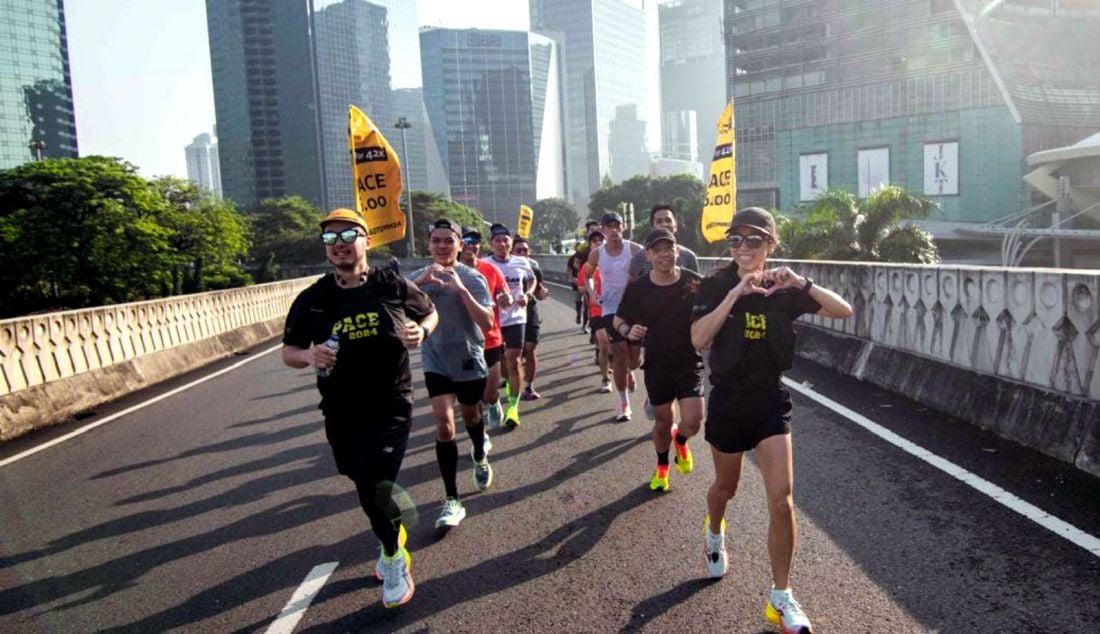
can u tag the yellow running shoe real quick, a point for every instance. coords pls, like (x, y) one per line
(659, 481)
(684, 462)
(511, 417)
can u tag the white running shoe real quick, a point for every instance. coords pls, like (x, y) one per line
(605, 386)
(714, 551)
(483, 474)
(624, 412)
(397, 582)
(452, 514)
(494, 415)
(784, 611)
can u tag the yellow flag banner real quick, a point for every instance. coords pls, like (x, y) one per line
(377, 172)
(722, 186)
(523, 224)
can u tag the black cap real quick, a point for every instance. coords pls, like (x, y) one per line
(591, 221)
(471, 232)
(611, 216)
(595, 234)
(446, 223)
(658, 235)
(498, 230)
(756, 218)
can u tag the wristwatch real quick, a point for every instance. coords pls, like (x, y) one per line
(808, 286)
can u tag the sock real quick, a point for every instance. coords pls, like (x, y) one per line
(624, 398)
(662, 458)
(780, 596)
(681, 439)
(477, 435)
(508, 391)
(513, 400)
(446, 454)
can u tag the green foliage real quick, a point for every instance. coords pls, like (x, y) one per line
(555, 220)
(838, 226)
(285, 231)
(429, 207)
(683, 191)
(79, 232)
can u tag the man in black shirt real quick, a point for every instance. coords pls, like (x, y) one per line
(656, 309)
(366, 388)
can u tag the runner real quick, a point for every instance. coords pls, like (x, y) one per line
(612, 261)
(454, 360)
(744, 313)
(598, 337)
(522, 248)
(662, 216)
(494, 344)
(373, 316)
(656, 309)
(520, 276)
(572, 268)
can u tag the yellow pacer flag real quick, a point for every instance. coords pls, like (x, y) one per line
(722, 186)
(523, 223)
(377, 172)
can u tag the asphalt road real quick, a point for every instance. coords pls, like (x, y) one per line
(205, 511)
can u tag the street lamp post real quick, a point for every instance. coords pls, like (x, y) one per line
(403, 124)
(37, 146)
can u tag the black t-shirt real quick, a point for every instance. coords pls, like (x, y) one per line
(372, 362)
(666, 312)
(756, 342)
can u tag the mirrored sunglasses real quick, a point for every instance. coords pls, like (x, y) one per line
(347, 235)
(752, 242)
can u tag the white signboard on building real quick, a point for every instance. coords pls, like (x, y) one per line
(874, 170)
(813, 170)
(941, 169)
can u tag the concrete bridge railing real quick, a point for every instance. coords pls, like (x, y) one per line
(1012, 350)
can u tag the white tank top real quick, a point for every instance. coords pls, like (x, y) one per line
(613, 272)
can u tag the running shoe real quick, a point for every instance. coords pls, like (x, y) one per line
(529, 394)
(402, 537)
(605, 386)
(483, 474)
(494, 415)
(511, 417)
(659, 481)
(452, 514)
(682, 458)
(649, 415)
(714, 550)
(624, 412)
(784, 611)
(397, 581)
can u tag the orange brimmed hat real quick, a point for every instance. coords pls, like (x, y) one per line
(346, 215)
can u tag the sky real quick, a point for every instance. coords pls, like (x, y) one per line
(141, 71)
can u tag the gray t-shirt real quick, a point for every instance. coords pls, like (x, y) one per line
(456, 348)
(640, 265)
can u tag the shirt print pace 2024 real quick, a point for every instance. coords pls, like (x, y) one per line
(358, 326)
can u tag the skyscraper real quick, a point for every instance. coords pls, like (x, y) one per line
(36, 97)
(202, 164)
(494, 102)
(603, 46)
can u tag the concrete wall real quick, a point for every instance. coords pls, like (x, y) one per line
(1016, 351)
(55, 365)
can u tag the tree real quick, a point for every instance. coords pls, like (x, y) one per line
(209, 238)
(79, 232)
(683, 191)
(838, 226)
(429, 207)
(555, 220)
(285, 231)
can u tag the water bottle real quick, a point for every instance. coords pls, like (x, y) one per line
(333, 344)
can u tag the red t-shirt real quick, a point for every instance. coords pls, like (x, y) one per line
(495, 280)
(594, 310)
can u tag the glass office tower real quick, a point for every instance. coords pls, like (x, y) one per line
(36, 96)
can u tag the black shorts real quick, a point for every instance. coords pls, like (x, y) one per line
(493, 355)
(738, 420)
(595, 324)
(513, 336)
(673, 382)
(468, 392)
(368, 444)
(531, 328)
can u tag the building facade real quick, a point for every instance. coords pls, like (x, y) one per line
(945, 98)
(494, 102)
(603, 45)
(202, 164)
(36, 96)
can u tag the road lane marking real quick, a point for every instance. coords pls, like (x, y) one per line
(1042, 518)
(295, 609)
(129, 410)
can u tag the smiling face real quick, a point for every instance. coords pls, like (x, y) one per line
(747, 257)
(502, 246)
(663, 256)
(471, 248)
(345, 255)
(664, 219)
(445, 246)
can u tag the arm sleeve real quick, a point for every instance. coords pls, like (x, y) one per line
(802, 304)
(298, 328)
(691, 262)
(479, 288)
(705, 299)
(417, 303)
(629, 305)
(635, 268)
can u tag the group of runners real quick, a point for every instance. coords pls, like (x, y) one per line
(476, 321)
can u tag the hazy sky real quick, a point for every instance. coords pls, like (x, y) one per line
(141, 71)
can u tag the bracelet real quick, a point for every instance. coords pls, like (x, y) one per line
(627, 326)
(808, 286)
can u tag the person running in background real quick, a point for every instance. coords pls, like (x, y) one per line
(744, 314)
(522, 248)
(612, 260)
(572, 268)
(375, 317)
(656, 309)
(598, 336)
(454, 360)
(662, 216)
(494, 343)
(520, 277)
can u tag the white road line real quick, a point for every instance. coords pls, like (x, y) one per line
(546, 281)
(295, 609)
(129, 410)
(1031, 512)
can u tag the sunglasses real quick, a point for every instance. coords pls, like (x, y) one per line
(347, 235)
(752, 242)
(471, 241)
